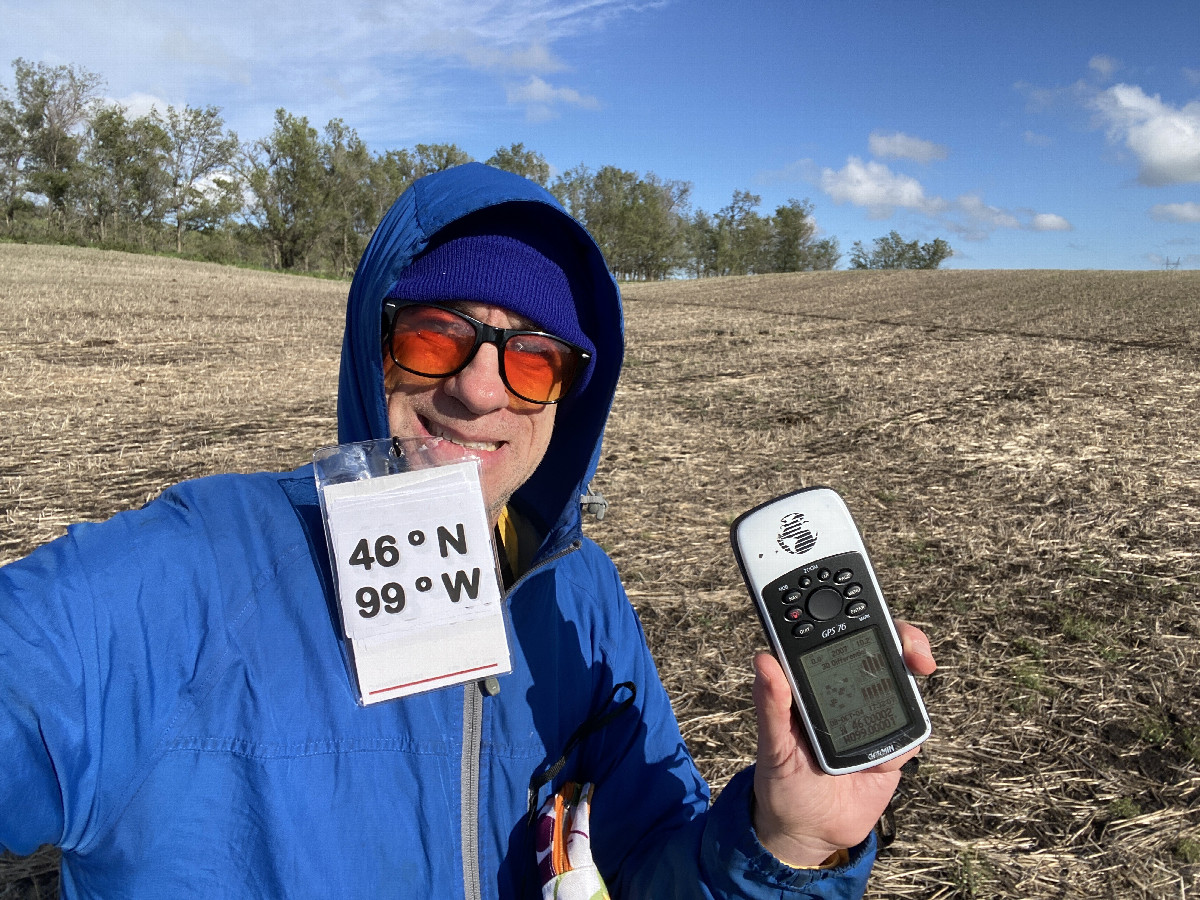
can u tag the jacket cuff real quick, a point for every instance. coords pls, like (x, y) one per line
(730, 838)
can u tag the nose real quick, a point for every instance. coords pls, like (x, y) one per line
(478, 386)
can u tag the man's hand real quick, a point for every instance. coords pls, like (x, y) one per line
(801, 814)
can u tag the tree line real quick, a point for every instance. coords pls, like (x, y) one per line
(74, 168)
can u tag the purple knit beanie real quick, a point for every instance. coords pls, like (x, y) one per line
(504, 271)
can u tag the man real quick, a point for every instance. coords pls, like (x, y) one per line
(175, 705)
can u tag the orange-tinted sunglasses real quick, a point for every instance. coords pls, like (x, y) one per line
(437, 341)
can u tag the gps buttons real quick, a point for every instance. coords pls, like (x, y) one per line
(824, 603)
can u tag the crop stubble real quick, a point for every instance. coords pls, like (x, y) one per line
(1018, 447)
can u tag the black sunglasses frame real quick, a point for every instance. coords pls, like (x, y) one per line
(484, 334)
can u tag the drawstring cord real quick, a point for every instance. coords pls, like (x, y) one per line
(538, 781)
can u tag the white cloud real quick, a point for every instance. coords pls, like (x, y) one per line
(877, 188)
(1192, 76)
(204, 49)
(1033, 139)
(533, 58)
(800, 170)
(989, 218)
(975, 219)
(541, 99)
(1104, 66)
(363, 64)
(880, 191)
(139, 104)
(535, 90)
(1040, 99)
(1165, 140)
(1049, 222)
(481, 51)
(1188, 213)
(904, 146)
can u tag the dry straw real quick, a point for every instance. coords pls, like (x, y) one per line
(1020, 449)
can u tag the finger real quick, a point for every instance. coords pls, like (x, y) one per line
(893, 765)
(772, 694)
(778, 733)
(917, 654)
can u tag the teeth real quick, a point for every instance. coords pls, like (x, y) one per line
(471, 445)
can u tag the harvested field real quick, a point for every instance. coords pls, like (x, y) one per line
(1019, 448)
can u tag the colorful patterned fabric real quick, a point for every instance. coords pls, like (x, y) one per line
(564, 847)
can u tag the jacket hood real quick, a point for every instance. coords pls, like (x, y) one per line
(550, 498)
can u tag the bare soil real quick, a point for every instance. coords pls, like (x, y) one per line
(1019, 449)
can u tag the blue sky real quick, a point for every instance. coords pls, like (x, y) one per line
(1027, 134)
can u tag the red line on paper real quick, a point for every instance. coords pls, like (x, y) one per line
(397, 687)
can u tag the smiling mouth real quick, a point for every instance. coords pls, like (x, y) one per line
(439, 432)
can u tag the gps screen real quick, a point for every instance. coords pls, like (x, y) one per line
(854, 689)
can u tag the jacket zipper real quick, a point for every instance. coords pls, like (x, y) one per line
(472, 748)
(469, 811)
(565, 551)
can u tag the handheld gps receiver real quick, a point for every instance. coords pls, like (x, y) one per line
(825, 618)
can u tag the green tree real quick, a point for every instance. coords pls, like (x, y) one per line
(605, 213)
(526, 163)
(740, 241)
(571, 187)
(13, 147)
(638, 222)
(701, 244)
(792, 236)
(893, 252)
(387, 178)
(348, 189)
(824, 254)
(743, 237)
(432, 158)
(203, 190)
(286, 178)
(793, 244)
(933, 254)
(654, 236)
(53, 105)
(127, 183)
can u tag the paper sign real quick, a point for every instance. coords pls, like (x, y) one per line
(416, 577)
(443, 656)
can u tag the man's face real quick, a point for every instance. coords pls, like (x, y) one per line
(474, 409)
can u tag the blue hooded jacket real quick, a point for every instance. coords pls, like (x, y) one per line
(176, 713)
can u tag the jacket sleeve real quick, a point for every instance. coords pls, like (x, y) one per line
(47, 650)
(93, 648)
(739, 866)
(655, 835)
